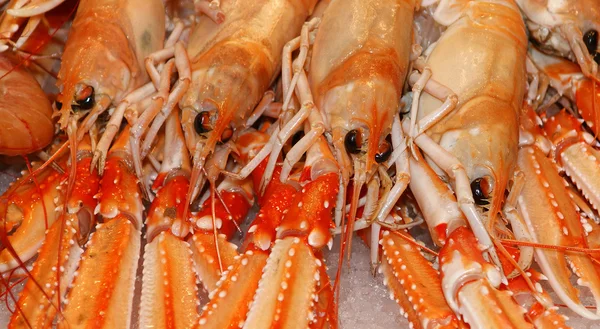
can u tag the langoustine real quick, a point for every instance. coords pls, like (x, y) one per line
(455, 122)
(26, 119)
(232, 64)
(566, 28)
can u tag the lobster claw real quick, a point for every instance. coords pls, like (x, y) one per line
(553, 220)
(587, 98)
(28, 207)
(290, 278)
(311, 215)
(470, 285)
(414, 283)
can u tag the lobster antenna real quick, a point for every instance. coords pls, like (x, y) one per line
(214, 222)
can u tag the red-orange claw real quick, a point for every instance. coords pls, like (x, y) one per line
(119, 192)
(227, 217)
(168, 206)
(37, 305)
(33, 209)
(206, 258)
(275, 202)
(102, 294)
(588, 103)
(311, 212)
(230, 301)
(86, 185)
(169, 290)
(414, 284)
(469, 284)
(286, 293)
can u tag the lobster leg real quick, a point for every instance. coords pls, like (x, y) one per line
(289, 281)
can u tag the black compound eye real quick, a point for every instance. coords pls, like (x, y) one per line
(384, 152)
(202, 122)
(86, 98)
(58, 105)
(597, 58)
(353, 141)
(480, 189)
(590, 38)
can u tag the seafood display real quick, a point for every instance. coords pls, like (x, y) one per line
(191, 164)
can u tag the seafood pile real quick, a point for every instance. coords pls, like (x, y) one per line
(223, 147)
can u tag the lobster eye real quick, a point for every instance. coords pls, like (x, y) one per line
(481, 191)
(384, 152)
(58, 105)
(590, 38)
(202, 122)
(353, 141)
(85, 99)
(597, 58)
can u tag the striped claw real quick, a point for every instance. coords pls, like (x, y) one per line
(414, 283)
(230, 301)
(40, 299)
(470, 285)
(291, 275)
(287, 290)
(60, 254)
(553, 220)
(102, 292)
(169, 290)
(31, 209)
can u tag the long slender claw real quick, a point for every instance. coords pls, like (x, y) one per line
(230, 301)
(287, 290)
(206, 257)
(102, 294)
(552, 220)
(57, 260)
(312, 214)
(33, 208)
(169, 290)
(469, 285)
(414, 283)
